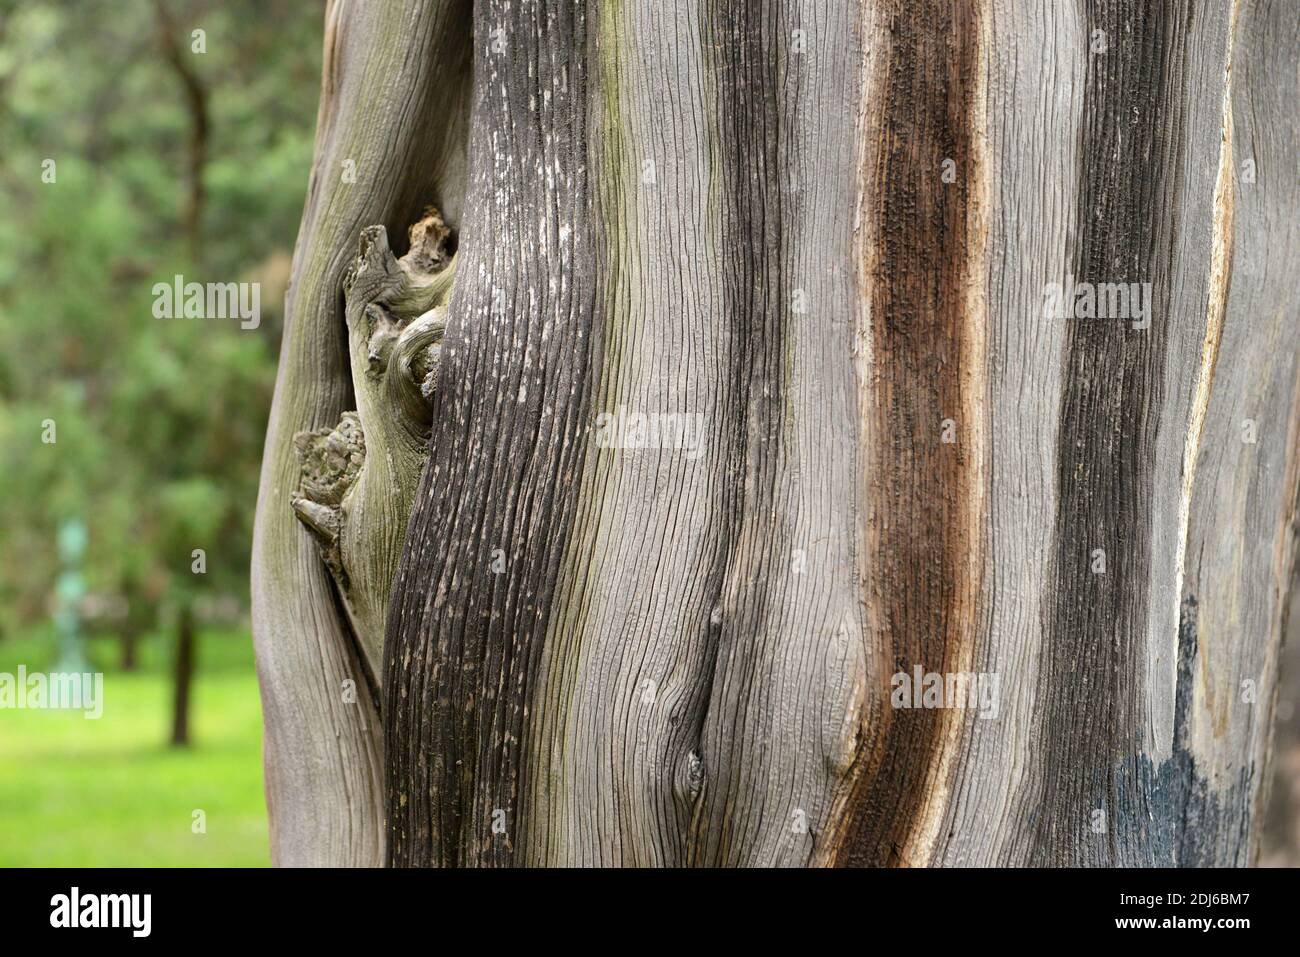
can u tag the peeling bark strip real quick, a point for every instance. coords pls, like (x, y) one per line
(474, 590)
(920, 527)
(1097, 629)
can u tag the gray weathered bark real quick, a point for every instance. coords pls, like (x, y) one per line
(389, 142)
(823, 233)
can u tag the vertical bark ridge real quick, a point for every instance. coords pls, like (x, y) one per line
(1035, 65)
(1184, 766)
(1216, 309)
(743, 60)
(1097, 620)
(703, 660)
(474, 591)
(1241, 538)
(622, 672)
(783, 639)
(923, 381)
(390, 139)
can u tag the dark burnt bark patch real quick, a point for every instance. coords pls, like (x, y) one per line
(1171, 808)
(919, 231)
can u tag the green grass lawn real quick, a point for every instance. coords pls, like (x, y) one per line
(111, 792)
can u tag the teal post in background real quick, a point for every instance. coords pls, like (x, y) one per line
(69, 591)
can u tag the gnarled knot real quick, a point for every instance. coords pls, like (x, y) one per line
(331, 460)
(358, 479)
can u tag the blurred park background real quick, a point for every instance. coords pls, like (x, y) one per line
(167, 159)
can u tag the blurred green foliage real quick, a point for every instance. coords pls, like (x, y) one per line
(158, 422)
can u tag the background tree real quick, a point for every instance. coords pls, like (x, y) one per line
(828, 231)
(158, 423)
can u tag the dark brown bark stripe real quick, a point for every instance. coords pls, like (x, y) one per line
(473, 594)
(921, 553)
(1096, 627)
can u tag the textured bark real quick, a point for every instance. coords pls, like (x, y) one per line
(922, 325)
(393, 112)
(825, 231)
(359, 477)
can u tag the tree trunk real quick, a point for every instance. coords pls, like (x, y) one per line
(729, 340)
(130, 647)
(183, 676)
(141, 615)
(390, 140)
(196, 104)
